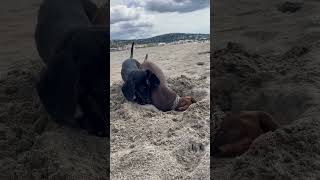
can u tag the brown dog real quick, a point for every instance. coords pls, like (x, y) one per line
(163, 97)
(238, 130)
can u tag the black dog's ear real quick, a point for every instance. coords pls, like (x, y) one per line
(57, 87)
(97, 16)
(128, 90)
(153, 79)
(101, 16)
(90, 8)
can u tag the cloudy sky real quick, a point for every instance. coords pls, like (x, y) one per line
(132, 19)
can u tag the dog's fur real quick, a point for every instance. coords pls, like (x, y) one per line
(163, 97)
(75, 52)
(238, 130)
(136, 87)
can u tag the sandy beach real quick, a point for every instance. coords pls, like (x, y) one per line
(266, 57)
(149, 144)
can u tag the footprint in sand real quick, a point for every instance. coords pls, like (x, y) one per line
(190, 155)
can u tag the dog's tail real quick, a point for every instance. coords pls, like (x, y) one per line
(131, 55)
(146, 58)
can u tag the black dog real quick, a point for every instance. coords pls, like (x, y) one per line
(75, 51)
(56, 19)
(136, 87)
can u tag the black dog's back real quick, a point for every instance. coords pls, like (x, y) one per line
(55, 19)
(129, 65)
(136, 87)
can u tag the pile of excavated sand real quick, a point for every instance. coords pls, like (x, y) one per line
(285, 85)
(149, 144)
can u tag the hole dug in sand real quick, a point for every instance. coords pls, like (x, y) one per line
(290, 152)
(195, 87)
(247, 81)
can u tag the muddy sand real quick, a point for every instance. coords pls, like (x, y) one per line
(149, 144)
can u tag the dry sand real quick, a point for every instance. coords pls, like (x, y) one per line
(32, 145)
(273, 65)
(149, 144)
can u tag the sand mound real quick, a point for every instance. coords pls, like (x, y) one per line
(279, 84)
(149, 144)
(292, 152)
(33, 146)
(284, 85)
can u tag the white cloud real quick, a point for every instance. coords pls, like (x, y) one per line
(181, 6)
(120, 13)
(131, 30)
(129, 22)
(145, 18)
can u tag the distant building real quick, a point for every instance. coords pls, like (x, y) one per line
(113, 49)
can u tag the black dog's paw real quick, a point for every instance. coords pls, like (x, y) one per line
(216, 151)
(102, 131)
(85, 123)
(102, 134)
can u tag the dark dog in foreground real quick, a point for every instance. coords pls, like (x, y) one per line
(239, 130)
(136, 87)
(72, 41)
(57, 19)
(163, 97)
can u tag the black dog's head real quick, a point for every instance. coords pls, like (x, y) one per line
(139, 86)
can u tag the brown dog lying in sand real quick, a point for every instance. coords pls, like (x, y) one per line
(238, 130)
(163, 97)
